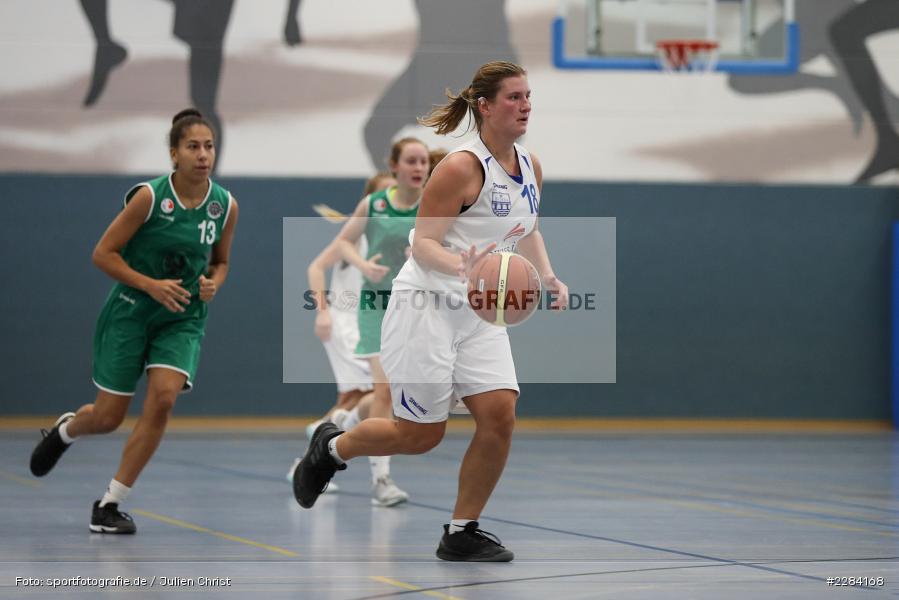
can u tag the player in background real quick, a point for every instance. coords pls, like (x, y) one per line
(342, 419)
(336, 321)
(385, 219)
(434, 158)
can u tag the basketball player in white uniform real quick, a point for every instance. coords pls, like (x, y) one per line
(437, 353)
(336, 325)
(341, 335)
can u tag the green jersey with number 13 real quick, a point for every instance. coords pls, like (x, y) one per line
(176, 242)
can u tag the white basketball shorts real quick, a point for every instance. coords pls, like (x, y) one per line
(437, 351)
(350, 372)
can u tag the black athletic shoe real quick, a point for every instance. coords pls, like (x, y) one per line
(108, 519)
(49, 449)
(312, 475)
(472, 545)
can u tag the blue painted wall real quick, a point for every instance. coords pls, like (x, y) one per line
(733, 301)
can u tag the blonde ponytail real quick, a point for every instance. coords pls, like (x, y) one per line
(485, 84)
(446, 118)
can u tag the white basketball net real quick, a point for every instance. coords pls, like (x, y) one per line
(683, 56)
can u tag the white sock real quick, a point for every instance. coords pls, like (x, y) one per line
(332, 449)
(116, 493)
(64, 433)
(380, 467)
(351, 419)
(457, 525)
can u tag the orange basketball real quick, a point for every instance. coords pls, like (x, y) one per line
(504, 289)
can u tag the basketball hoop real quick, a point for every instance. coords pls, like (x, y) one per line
(676, 56)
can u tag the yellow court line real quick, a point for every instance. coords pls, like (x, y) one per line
(755, 489)
(708, 506)
(224, 536)
(791, 504)
(409, 586)
(809, 507)
(800, 520)
(571, 485)
(17, 479)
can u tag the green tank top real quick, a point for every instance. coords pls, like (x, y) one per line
(176, 242)
(387, 233)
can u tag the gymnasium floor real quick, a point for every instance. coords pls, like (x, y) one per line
(588, 515)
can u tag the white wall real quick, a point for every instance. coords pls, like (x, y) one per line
(301, 111)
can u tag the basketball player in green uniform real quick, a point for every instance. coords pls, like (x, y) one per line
(168, 251)
(385, 218)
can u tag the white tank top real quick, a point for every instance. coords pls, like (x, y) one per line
(505, 211)
(346, 282)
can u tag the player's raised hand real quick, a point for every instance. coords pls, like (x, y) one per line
(373, 271)
(471, 257)
(169, 293)
(207, 288)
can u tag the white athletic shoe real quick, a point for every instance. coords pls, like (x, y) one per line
(339, 417)
(332, 487)
(310, 428)
(293, 468)
(385, 493)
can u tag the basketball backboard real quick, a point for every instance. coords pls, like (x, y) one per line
(753, 36)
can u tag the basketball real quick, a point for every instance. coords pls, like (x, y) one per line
(504, 289)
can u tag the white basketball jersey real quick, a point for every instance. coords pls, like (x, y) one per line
(505, 211)
(346, 283)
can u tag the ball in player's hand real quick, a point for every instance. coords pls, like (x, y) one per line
(504, 289)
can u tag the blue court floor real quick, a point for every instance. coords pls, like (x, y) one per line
(587, 515)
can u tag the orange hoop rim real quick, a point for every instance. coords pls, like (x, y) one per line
(678, 54)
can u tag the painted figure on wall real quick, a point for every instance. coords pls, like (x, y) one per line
(201, 24)
(849, 33)
(478, 26)
(836, 30)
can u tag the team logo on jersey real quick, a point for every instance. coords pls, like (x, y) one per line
(380, 205)
(500, 203)
(167, 206)
(516, 231)
(215, 210)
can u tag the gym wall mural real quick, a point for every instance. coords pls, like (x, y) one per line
(301, 89)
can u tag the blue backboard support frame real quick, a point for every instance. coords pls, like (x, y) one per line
(786, 66)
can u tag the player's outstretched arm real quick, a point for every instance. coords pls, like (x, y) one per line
(315, 274)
